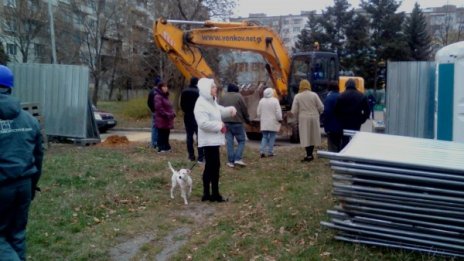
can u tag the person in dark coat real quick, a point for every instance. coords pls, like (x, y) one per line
(164, 117)
(372, 102)
(21, 155)
(332, 126)
(188, 99)
(234, 125)
(151, 106)
(352, 109)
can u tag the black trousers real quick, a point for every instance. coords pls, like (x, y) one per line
(15, 199)
(211, 172)
(163, 139)
(191, 128)
(334, 141)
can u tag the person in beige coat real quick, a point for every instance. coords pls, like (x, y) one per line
(307, 108)
(270, 116)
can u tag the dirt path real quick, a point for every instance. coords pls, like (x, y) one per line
(200, 213)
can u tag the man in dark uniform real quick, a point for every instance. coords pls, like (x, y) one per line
(188, 99)
(21, 157)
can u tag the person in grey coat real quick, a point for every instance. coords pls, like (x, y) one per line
(234, 125)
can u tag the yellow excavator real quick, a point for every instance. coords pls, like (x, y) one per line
(285, 71)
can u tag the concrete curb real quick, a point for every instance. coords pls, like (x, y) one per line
(144, 130)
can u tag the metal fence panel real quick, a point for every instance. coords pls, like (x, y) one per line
(61, 91)
(400, 192)
(410, 99)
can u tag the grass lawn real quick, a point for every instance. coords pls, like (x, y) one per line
(111, 202)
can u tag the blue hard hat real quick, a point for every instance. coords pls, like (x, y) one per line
(6, 77)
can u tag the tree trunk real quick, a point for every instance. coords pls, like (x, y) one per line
(111, 85)
(95, 92)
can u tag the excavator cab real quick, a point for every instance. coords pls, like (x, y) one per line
(319, 68)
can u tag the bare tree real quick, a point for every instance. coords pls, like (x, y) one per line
(68, 34)
(195, 10)
(4, 59)
(98, 35)
(24, 22)
(444, 30)
(205, 9)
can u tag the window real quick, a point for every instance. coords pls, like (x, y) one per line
(9, 26)
(11, 49)
(33, 5)
(297, 21)
(242, 67)
(39, 50)
(296, 29)
(255, 67)
(10, 3)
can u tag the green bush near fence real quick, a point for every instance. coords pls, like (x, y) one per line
(136, 109)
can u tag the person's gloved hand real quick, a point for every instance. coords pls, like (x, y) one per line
(34, 188)
(223, 129)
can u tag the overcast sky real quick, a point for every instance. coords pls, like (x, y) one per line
(285, 7)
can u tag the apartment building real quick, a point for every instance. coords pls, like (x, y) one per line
(73, 20)
(287, 26)
(446, 24)
(23, 41)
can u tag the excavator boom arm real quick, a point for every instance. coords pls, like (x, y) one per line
(187, 58)
(182, 46)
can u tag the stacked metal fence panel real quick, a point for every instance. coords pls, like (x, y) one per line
(399, 192)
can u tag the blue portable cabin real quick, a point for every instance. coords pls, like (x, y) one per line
(449, 93)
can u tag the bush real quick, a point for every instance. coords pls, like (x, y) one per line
(136, 109)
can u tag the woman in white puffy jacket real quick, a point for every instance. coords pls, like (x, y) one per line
(211, 131)
(270, 117)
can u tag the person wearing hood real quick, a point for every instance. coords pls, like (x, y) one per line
(164, 117)
(21, 156)
(188, 98)
(234, 125)
(211, 130)
(307, 108)
(270, 117)
(352, 109)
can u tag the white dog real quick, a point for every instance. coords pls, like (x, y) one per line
(183, 179)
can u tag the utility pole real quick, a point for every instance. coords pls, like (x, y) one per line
(52, 31)
(159, 60)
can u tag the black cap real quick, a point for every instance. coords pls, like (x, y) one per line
(350, 84)
(194, 81)
(232, 88)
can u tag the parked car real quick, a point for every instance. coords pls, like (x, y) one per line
(105, 120)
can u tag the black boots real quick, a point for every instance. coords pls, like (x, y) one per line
(309, 154)
(218, 198)
(307, 159)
